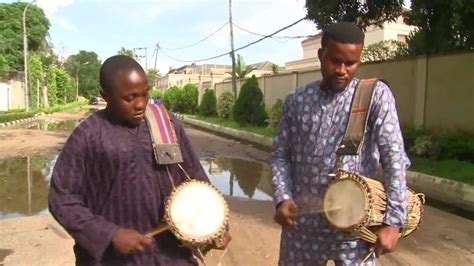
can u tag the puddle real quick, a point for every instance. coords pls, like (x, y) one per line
(233, 177)
(239, 178)
(25, 182)
(67, 125)
(25, 185)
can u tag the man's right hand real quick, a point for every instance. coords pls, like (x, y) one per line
(129, 241)
(287, 213)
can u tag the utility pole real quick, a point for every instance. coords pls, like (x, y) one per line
(25, 56)
(156, 55)
(141, 56)
(37, 93)
(232, 55)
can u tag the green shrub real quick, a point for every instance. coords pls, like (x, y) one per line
(457, 146)
(157, 94)
(439, 146)
(190, 98)
(208, 104)
(423, 146)
(173, 99)
(275, 114)
(225, 104)
(249, 107)
(410, 135)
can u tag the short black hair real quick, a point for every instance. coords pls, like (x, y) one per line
(343, 32)
(115, 65)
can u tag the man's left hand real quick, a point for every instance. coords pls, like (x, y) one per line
(387, 239)
(223, 242)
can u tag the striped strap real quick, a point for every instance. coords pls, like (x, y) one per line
(355, 130)
(165, 143)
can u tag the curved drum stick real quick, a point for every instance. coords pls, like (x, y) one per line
(160, 228)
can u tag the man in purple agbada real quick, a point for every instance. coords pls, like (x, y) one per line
(107, 190)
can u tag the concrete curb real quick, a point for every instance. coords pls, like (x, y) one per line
(440, 189)
(23, 120)
(444, 190)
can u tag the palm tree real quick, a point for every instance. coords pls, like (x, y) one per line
(241, 69)
(275, 68)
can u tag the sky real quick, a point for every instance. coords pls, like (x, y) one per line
(104, 26)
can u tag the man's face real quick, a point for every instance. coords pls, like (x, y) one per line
(339, 63)
(128, 99)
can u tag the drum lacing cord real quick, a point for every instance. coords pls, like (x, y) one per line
(171, 178)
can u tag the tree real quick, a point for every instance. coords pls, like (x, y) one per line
(86, 65)
(275, 68)
(249, 107)
(51, 85)
(276, 112)
(190, 98)
(442, 25)
(11, 32)
(384, 50)
(35, 76)
(225, 104)
(208, 104)
(127, 52)
(173, 99)
(152, 76)
(65, 91)
(362, 13)
(241, 69)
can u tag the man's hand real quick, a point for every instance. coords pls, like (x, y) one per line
(223, 242)
(287, 213)
(387, 239)
(129, 241)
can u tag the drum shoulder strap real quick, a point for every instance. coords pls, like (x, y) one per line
(163, 136)
(354, 135)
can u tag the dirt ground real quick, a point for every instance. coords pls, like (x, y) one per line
(443, 239)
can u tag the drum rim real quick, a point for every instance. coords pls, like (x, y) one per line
(195, 240)
(345, 176)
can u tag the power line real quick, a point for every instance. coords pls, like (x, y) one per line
(274, 37)
(198, 42)
(240, 48)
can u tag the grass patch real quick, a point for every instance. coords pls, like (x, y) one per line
(461, 171)
(17, 114)
(7, 117)
(457, 170)
(264, 131)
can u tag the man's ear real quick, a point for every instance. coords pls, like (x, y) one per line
(105, 95)
(320, 53)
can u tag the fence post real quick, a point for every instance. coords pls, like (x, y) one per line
(421, 74)
(295, 79)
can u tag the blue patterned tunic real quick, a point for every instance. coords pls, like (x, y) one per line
(304, 153)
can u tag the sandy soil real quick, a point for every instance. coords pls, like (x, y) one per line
(443, 239)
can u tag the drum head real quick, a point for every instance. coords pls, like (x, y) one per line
(197, 210)
(344, 204)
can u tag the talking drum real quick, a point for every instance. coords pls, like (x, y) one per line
(197, 214)
(356, 204)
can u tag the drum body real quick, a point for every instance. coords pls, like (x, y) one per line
(196, 213)
(356, 204)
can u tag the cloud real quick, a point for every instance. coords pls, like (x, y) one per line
(51, 6)
(66, 24)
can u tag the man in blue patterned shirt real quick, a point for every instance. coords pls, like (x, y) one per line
(314, 120)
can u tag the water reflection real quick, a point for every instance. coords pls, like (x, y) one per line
(239, 178)
(67, 125)
(25, 185)
(25, 182)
